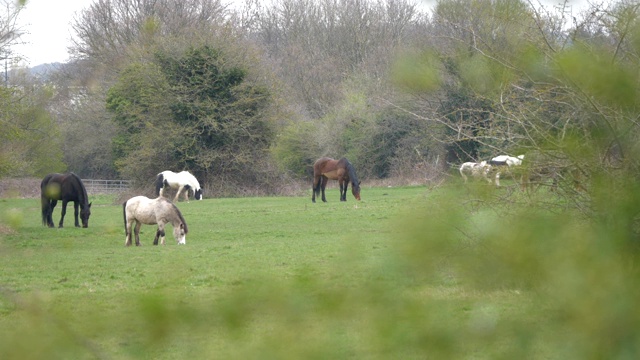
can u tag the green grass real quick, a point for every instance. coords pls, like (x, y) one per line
(402, 274)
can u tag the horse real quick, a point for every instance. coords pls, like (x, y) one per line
(325, 169)
(505, 162)
(182, 181)
(65, 187)
(475, 170)
(142, 210)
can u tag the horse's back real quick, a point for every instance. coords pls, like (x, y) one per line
(141, 209)
(56, 186)
(324, 164)
(189, 178)
(149, 211)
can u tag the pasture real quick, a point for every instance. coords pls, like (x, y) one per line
(408, 272)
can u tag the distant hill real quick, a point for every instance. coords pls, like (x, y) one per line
(43, 70)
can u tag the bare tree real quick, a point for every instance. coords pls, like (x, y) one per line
(108, 27)
(318, 44)
(10, 31)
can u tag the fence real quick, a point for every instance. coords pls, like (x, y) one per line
(106, 186)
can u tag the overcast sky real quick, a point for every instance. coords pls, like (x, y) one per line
(47, 23)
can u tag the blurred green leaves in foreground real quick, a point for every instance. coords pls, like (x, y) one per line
(450, 273)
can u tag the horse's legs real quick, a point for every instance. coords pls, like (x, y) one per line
(177, 198)
(323, 184)
(315, 187)
(127, 229)
(64, 211)
(344, 184)
(186, 195)
(52, 204)
(137, 232)
(76, 205)
(159, 234)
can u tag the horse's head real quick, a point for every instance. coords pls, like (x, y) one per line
(355, 190)
(85, 212)
(180, 234)
(198, 194)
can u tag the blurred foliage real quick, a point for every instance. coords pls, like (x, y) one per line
(418, 273)
(30, 141)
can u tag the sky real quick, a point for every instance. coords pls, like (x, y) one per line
(48, 31)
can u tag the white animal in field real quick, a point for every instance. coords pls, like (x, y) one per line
(141, 210)
(183, 181)
(475, 170)
(505, 162)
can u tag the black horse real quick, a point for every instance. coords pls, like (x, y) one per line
(65, 187)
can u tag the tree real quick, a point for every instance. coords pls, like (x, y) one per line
(31, 144)
(107, 29)
(516, 81)
(10, 32)
(203, 111)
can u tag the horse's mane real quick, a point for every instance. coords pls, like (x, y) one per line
(352, 173)
(83, 190)
(186, 229)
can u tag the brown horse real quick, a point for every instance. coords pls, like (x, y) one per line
(325, 169)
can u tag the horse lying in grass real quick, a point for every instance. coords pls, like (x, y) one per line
(183, 181)
(475, 170)
(142, 210)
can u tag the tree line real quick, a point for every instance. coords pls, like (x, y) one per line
(251, 96)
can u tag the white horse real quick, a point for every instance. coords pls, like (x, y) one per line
(183, 181)
(142, 210)
(502, 160)
(505, 161)
(475, 170)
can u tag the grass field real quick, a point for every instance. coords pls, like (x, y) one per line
(280, 277)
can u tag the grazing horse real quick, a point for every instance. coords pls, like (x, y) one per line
(142, 210)
(475, 170)
(325, 169)
(505, 162)
(182, 181)
(65, 187)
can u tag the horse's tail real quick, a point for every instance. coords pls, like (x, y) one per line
(316, 187)
(124, 213)
(45, 209)
(159, 183)
(44, 200)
